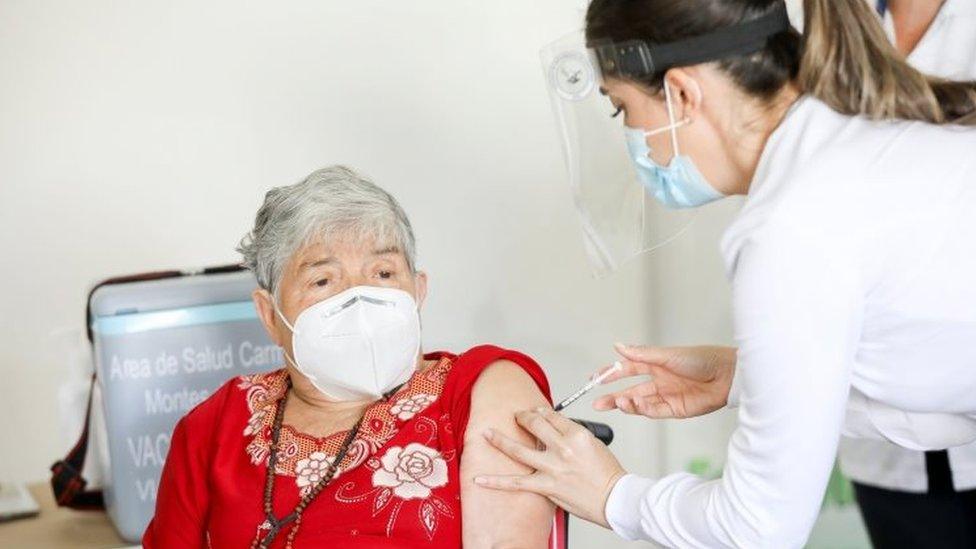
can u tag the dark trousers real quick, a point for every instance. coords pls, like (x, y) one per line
(942, 518)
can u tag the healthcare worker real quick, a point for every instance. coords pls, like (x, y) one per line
(937, 488)
(852, 261)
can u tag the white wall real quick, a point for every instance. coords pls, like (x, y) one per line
(142, 135)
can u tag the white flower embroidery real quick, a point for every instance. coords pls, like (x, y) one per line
(407, 407)
(411, 471)
(310, 470)
(254, 424)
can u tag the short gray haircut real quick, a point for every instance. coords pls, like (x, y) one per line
(331, 202)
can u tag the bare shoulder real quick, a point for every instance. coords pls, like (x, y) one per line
(504, 378)
(505, 373)
(503, 389)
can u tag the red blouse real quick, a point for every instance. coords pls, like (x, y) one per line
(397, 487)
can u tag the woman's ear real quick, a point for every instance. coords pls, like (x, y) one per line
(420, 285)
(686, 94)
(264, 304)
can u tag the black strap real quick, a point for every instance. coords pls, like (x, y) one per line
(725, 42)
(939, 472)
(637, 58)
(66, 480)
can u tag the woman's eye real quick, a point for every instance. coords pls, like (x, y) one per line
(386, 275)
(617, 112)
(322, 282)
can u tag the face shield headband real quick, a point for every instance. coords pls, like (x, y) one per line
(619, 219)
(636, 59)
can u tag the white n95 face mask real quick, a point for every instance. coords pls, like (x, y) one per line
(358, 344)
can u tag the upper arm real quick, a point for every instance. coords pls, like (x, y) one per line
(495, 518)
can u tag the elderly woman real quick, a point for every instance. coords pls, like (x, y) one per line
(360, 440)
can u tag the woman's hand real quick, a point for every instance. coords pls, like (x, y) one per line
(685, 381)
(574, 470)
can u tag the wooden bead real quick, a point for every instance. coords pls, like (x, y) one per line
(295, 516)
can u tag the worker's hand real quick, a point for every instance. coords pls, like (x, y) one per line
(574, 469)
(685, 381)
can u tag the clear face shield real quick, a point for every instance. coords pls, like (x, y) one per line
(619, 217)
(620, 220)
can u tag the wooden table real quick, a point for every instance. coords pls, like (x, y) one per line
(59, 527)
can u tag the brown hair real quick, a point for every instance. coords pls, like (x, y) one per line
(842, 58)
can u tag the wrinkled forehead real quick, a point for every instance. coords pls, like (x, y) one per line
(345, 247)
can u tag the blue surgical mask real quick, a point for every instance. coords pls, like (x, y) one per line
(677, 185)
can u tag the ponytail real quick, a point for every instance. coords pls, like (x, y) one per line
(849, 64)
(843, 58)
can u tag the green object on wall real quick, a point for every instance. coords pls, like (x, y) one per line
(840, 492)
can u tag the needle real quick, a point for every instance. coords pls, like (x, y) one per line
(617, 366)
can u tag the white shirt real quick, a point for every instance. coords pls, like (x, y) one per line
(853, 266)
(948, 49)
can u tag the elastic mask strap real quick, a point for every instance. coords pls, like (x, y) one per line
(290, 361)
(278, 312)
(672, 126)
(274, 304)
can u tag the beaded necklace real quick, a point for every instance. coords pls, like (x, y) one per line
(275, 524)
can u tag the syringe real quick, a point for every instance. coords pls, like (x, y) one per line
(617, 366)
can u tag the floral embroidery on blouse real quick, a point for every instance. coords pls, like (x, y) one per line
(411, 471)
(309, 471)
(404, 480)
(306, 457)
(407, 407)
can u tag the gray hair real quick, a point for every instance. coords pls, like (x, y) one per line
(333, 201)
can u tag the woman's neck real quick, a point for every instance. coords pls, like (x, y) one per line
(305, 394)
(746, 147)
(912, 19)
(311, 412)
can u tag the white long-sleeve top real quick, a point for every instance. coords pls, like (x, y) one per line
(948, 49)
(853, 266)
